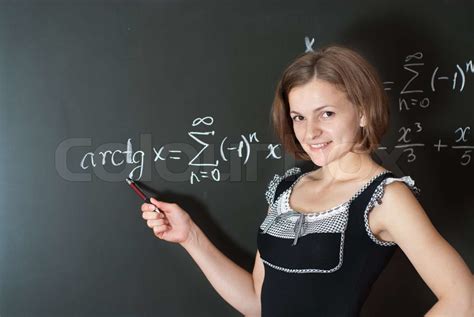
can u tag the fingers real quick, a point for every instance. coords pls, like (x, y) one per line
(157, 220)
(157, 206)
(166, 207)
(157, 223)
(160, 229)
(150, 215)
(148, 207)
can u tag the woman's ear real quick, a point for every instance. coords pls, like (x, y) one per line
(362, 120)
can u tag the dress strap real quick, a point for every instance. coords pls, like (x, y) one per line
(282, 182)
(286, 183)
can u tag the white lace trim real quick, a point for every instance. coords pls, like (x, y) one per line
(376, 199)
(272, 185)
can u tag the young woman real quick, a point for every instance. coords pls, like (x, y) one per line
(329, 232)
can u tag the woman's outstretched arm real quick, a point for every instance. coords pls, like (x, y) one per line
(236, 286)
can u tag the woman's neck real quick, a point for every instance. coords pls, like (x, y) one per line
(352, 166)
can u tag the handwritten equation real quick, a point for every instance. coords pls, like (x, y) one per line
(412, 93)
(211, 169)
(460, 143)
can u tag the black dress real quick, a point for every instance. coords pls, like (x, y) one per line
(321, 264)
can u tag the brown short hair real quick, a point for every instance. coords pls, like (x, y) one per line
(350, 73)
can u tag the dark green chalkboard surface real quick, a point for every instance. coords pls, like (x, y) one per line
(178, 94)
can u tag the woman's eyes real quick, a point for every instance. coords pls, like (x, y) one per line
(294, 118)
(331, 113)
(328, 112)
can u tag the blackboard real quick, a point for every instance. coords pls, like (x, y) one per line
(80, 77)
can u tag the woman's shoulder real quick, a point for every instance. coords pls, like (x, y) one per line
(394, 205)
(393, 198)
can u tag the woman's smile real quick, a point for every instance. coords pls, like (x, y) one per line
(319, 146)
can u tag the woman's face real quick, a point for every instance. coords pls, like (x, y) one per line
(320, 114)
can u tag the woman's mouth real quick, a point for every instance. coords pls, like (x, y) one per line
(319, 146)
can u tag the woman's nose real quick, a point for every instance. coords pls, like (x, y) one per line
(313, 131)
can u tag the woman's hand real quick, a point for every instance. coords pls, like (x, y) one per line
(172, 224)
